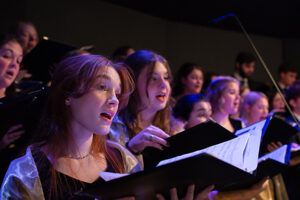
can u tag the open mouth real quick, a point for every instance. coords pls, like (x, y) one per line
(9, 73)
(235, 104)
(107, 116)
(161, 97)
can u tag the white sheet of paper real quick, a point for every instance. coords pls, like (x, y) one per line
(107, 176)
(252, 148)
(278, 155)
(230, 151)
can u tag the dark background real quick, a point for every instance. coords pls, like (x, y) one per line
(179, 30)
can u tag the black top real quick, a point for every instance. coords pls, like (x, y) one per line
(20, 108)
(70, 184)
(236, 124)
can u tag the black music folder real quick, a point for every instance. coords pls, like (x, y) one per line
(24, 108)
(276, 131)
(211, 133)
(231, 164)
(202, 170)
(198, 137)
(43, 57)
(21, 108)
(269, 165)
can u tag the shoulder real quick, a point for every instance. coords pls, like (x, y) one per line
(118, 131)
(130, 162)
(236, 123)
(22, 179)
(289, 119)
(258, 86)
(176, 125)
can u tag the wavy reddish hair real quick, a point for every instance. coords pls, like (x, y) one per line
(74, 77)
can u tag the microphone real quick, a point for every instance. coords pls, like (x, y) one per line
(220, 18)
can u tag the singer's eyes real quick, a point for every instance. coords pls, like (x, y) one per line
(232, 92)
(262, 107)
(9, 55)
(167, 77)
(19, 59)
(102, 86)
(155, 77)
(6, 54)
(118, 95)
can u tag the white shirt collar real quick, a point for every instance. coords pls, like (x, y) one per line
(297, 116)
(282, 86)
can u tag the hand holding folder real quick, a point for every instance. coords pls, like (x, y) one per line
(276, 131)
(232, 163)
(195, 138)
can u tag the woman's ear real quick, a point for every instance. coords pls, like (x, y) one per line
(68, 101)
(293, 103)
(247, 108)
(182, 80)
(221, 101)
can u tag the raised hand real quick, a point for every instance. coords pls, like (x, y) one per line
(273, 146)
(14, 133)
(243, 194)
(151, 136)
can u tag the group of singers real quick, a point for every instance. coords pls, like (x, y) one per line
(100, 115)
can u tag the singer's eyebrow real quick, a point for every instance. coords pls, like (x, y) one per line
(11, 51)
(103, 76)
(202, 109)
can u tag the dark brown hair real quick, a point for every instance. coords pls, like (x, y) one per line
(4, 39)
(293, 92)
(183, 72)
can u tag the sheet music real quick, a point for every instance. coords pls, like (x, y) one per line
(252, 149)
(230, 151)
(259, 124)
(278, 155)
(107, 176)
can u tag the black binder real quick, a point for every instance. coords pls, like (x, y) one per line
(202, 170)
(21, 107)
(211, 133)
(195, 138)
(24, 108)
(266, 168)
(43, 57)
(276, 131)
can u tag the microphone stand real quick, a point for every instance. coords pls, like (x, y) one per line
(265, 66)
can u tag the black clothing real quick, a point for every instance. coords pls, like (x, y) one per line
(69, 184)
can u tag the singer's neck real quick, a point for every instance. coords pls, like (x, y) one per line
(223, 119)
(2, 92)
(282, 85)
(297, 111)
(238, 76)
